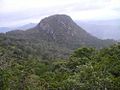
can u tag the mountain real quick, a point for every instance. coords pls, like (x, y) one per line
(23, 27)
(106, 29)
(56, 35)
(63, 30)
(4, 29)
(26, 26)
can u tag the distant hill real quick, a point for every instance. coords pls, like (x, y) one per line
(4, 29)
(107, 29)
(24, 27)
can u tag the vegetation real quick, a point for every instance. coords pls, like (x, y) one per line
(43, 58)
(86, 69)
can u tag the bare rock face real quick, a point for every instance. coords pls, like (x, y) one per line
(61, 24)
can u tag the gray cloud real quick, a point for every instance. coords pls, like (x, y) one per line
(80, 7)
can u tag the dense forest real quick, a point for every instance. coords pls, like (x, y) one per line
(85, 69)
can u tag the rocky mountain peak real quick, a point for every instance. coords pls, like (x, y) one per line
(60, 25)
(57, 18)
(58, 21)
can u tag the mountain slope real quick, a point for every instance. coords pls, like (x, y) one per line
(108, 29)
(4, 29)
(23, 27)
(26, 26)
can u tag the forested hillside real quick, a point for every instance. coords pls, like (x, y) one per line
(86, 69)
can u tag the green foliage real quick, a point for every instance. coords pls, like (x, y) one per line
(21, 68)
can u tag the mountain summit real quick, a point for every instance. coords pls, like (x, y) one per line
(61, 25)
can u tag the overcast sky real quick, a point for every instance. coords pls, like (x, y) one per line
(18, 12)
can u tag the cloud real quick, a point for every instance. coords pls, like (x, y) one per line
(21, 5)
(25, 11)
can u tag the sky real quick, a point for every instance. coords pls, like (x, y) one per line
(20, 12)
